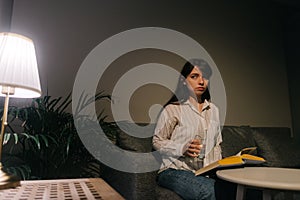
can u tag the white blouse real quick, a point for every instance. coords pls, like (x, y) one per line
(177, 126)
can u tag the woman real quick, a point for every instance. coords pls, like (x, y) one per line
(188, 114)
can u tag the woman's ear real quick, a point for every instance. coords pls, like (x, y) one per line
(183, 81)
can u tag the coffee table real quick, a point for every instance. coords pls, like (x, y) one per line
(67, 189)
(265, 178)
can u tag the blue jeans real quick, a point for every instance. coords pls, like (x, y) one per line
(187, 185)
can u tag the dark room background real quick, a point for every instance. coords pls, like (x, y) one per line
(254, 43)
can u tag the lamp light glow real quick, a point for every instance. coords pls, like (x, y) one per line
(19, 77)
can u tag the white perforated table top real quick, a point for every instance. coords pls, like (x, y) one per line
(68, 189)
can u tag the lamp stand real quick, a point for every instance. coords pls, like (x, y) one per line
(6, 180)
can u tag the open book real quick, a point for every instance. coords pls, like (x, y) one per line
(241, 158)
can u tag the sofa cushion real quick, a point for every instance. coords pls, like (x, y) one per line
(235, 138)
(277, 147)
(164, 194)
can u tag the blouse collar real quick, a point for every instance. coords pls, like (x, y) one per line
(206, 105)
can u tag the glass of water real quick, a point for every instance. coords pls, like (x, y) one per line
(197, 162)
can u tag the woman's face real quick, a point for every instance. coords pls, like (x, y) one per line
(196, 82)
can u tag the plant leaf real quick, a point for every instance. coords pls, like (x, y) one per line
(6, 138)
(44, 138)
(16, 138)
(64, 104)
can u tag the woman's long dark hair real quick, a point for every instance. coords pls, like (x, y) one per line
(182, 92)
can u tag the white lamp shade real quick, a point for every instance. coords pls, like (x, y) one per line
(18, 66)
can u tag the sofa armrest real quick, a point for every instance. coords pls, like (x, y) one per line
(131, 185)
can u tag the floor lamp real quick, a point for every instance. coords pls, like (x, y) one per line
(19, 78)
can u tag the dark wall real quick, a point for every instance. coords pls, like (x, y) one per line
(6, 7)
(292, 49)
(244, 38)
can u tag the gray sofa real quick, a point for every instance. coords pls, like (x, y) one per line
(275, 144)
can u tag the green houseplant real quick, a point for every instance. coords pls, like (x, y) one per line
(50, 145)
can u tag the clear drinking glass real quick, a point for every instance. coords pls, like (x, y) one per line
(197, 162)
(202, 150)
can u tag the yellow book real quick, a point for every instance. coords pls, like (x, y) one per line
(241, 158)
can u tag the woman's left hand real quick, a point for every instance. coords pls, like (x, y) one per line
(194, 148)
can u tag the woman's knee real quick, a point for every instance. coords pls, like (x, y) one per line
(187, 185)
(205, 189)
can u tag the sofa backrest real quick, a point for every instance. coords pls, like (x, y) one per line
(275, 144)
(235, 138)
